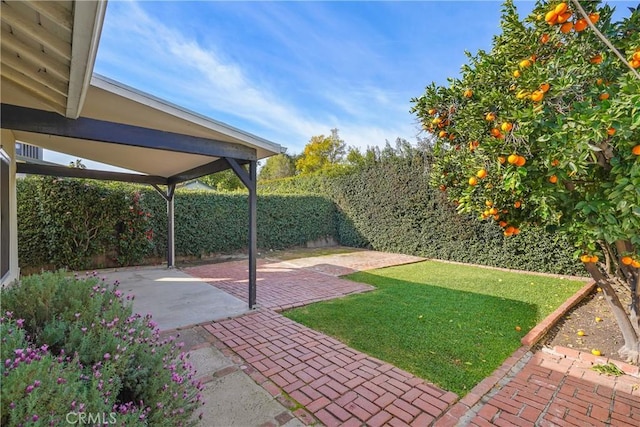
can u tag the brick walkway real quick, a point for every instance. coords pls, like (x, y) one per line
(336, 384)
(552, 388)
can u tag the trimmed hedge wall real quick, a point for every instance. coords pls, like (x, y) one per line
(207, 223)
(386, 206)
(389, 206)
(81, 224)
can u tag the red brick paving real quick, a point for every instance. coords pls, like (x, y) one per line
(336, 384)
(554, 388)
(279, 286)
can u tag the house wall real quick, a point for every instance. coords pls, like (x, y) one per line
(8, 142)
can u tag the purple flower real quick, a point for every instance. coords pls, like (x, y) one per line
(35, 417)
(12, 405)
(61, 380)
(77, 315)
(29, 388)
(9, 314)
(36, 383)
(20, 323)
(107, 356)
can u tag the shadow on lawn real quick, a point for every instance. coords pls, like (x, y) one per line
(452, 338)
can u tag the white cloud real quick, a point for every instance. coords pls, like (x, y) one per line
(200, 75)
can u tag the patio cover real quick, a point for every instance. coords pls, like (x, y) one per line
(71, 111)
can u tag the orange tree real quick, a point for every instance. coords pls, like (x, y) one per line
(545, 129)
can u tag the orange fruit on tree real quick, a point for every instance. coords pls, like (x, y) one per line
(544, 87)
(442, 187)
(481, 173)
(501, 159)
(561, 8)
(488, 203)
(525, 63)
(611, 131)
(563, 17)
(506, 127)
(516, 73)
(544, 38)
(566, 27)
(585, 258)
(537, 96)
(596, 59)
(594, 258)
(636, 150)
(603, 96)
(635, 264)
(636, 55)
(635, 63)
(473, 181)
(436, 121)
(553, 179)
(512, 159)
(551, 17)
(594, 17)
(442, 134)
(493, 211)
(517, 204)
(599, 81)
(432, 111)
(509, 231)
(626, 260)
(555, 162)
(468, 93)
(521, 161)
(490, 116)
(502, 224)
(580, 25)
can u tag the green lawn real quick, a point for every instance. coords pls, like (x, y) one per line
(452, 325)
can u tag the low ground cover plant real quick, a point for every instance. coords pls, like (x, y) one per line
(73, 352)
(450, 324)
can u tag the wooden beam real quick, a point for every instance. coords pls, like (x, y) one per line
(68, 172)
(216, 166)
(37, 32)
(48, 62)
(54, 100)
(44, 122)
(240, 172)
(57, 13)
(34, 72)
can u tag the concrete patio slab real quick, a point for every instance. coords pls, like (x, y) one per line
(174, 298)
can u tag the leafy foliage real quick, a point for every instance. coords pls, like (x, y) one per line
(68, 222)
(73, 345)
(278, 167)
(321, 153)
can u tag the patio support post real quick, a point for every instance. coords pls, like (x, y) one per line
(168, 196)
(171, 242)
(249, 180)
(253, 232)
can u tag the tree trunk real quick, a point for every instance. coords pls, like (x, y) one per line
(630, 352)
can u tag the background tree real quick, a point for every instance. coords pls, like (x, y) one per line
(545, 129)
(226, 180)
(322, 152)
(277, 167)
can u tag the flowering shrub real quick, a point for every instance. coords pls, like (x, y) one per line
(71, 347)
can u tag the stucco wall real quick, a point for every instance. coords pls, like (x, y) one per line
(8, 142)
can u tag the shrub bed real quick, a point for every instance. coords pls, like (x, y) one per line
(73, 349)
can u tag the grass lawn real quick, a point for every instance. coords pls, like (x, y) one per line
(450, 324)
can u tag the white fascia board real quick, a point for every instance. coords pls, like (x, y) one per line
(88, 17)
(167, 107)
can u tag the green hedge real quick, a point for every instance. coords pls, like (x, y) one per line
(81, 224)
(207, 223)
(389, 206)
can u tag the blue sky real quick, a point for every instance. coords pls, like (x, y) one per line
(286, 71)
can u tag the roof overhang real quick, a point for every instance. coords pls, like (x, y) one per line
(49, 49)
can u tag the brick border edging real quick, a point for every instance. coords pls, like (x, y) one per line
(540, 330)
(570, 353)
